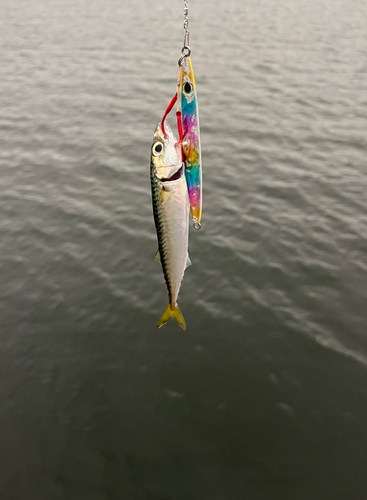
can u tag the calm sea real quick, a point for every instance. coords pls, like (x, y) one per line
(264, 397)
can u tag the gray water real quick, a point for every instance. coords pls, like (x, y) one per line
(265, 395)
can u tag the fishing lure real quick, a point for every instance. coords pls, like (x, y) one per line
(187, 107)
(188, 125)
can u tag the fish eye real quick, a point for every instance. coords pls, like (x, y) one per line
(157, 148)
(187, 88)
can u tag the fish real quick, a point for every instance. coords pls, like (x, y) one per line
(187, 108)
(171, 210)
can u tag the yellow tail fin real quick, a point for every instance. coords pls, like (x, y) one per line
(176, 313)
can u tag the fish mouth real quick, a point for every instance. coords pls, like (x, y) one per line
(173, 177)
(158, 131)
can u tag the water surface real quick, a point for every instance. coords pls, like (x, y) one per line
(265, 395)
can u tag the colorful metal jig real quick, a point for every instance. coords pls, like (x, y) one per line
(187, 108)
(188, 125)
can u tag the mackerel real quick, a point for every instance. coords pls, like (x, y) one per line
(171, 208)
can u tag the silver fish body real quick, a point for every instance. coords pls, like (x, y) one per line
(171, 208)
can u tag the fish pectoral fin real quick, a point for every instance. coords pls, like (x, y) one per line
(157, 257)
(174, 311)
(164, 196)
(188, 262)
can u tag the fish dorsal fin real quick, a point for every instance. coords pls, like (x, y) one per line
(188, 261)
